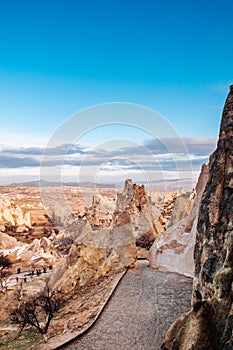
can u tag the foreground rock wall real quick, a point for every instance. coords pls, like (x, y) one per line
(209, 325)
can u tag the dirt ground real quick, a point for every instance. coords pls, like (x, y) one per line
(78, 312)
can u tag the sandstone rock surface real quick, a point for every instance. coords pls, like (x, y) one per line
(183, 206)
(145, 215)
(8, 242)
(210, 324)
(105, 237)
(173, 250)
(40, 252)
(95, 253)
(12, 214)
(104, 204)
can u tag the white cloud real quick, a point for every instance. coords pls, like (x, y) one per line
(150, 160)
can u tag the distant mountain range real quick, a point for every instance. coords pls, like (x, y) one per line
(50, 183)
(171, 184)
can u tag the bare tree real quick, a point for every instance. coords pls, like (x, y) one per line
(37, 311)
(5, 264)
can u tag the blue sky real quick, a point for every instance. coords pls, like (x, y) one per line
(59, 57)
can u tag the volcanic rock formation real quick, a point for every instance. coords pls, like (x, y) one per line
(8, 242)
(209, 325)
(95, 253)
(101, 212)
(13, 215)
(173, 250)
(40, 252)
(145, 215)
(182, 207)
(105, 237)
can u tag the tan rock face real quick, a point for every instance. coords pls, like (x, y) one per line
(103, 204)
(213, 254)
(96, 252)
(183, 206)
(7, 242)
(37, 252)
(12, 214)
(135, 218)
(145, 214)
(173, 250)
(166, 203)
(101, 212)
(40, 252)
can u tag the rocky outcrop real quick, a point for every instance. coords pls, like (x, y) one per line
(132, 195)
(134, 219)
(95, 253)
(103, 204)
(145, 215)
(8, 242)
(195, 330)
(40, 252)
(167, 201)
(12, 214)
(105, 237)
(101, 212)
(210, 323)
(173, 250)
(144, 212)
(183, 206)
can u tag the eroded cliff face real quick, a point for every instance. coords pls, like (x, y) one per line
(96, 252)
(173, 250)
(209, 325)
(12, 214)
(214, 250)
(40, 252)
(144, 214)
(105, 239)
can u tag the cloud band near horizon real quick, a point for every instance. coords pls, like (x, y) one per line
(124, 159)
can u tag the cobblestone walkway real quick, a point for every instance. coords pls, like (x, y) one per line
(140, 312)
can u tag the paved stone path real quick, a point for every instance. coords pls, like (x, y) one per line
(143, 307)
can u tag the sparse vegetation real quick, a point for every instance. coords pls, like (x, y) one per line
(37, 311)
(10, 341)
